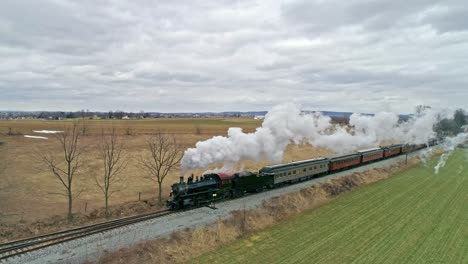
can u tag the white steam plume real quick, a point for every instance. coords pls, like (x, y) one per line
(286, 123)
(425, 155)
(449, 145)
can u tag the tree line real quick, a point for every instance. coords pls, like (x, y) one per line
(59, 115)
(452, 126)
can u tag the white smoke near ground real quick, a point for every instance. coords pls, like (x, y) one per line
(425, 155)
(449, 145)
(287, 123)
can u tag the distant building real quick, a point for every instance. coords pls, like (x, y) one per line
(260, 117)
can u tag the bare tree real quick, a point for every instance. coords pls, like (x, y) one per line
(421, 108)
(84, 124)
(114, 161)
(2, 168)
(65, 168)
(164, 154)
(3, 163)
(197, 130)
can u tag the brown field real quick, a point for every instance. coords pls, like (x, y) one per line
(26, 184)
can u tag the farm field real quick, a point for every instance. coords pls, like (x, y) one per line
(415, 216)
(136, 126)
(26, 184)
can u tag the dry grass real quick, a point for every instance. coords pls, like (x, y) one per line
(26, 183)
(185, 245)
(10, 231)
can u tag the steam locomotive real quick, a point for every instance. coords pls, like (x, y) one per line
(214, 187)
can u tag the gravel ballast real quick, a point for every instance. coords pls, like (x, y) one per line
(92, 247)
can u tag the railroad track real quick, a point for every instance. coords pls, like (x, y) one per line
(18, 247)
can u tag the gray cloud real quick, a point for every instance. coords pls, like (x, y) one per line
(232, 55)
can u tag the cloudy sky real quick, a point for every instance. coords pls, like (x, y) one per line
(176, 56)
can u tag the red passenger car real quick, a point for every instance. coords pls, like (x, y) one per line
(343, 162)
(370, 155)
(406, 148)
(392, 150)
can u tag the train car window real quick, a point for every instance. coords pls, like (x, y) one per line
(289, 173)
(294, 171)
(304, 170)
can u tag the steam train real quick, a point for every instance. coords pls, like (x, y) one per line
(214, 187)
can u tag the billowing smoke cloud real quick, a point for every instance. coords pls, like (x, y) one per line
(287, 123)
(449, 145)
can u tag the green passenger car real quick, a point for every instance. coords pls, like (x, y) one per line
(296, 171)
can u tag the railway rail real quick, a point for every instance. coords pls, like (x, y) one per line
(22, 246)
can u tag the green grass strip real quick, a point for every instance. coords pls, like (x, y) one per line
(415, 216)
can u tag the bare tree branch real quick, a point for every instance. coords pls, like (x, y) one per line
(2, 169)
(65, 170)
(163, 155)
(114, 161)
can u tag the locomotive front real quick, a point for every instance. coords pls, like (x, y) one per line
(190, 193)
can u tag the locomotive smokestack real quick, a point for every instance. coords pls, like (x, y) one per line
(181, 179)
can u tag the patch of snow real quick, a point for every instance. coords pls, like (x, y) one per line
(27, 136)
(47, 131)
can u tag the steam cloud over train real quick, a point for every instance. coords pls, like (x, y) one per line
(214, 187)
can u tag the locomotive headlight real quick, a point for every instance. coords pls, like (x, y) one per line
(214, 194)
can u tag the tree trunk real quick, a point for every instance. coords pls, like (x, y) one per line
(107, 205)
(160, 192)
(70, 203)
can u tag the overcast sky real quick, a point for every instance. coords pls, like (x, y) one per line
(176, 56)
